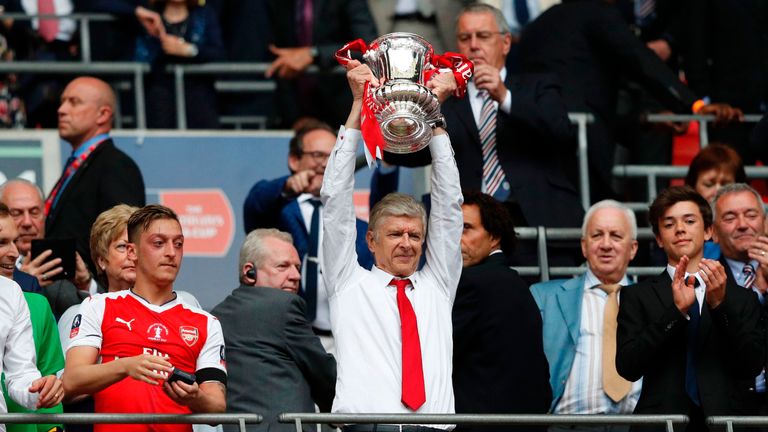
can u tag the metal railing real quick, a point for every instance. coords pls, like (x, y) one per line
(484, 419)
(730, 422)
(180, 71)
(237, 419)
(541, 235)
(83, 20)
(106, 68)
(653, 173)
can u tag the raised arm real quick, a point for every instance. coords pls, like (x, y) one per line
(339, 228)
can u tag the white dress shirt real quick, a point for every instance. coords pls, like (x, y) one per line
(583, 393)
(17, 348)
(699, 290)
(364, 314)
(322, 312)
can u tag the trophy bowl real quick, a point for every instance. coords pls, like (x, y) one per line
(406, 109)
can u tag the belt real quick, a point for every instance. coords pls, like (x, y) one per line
(321, 332)
(415, 16)
(388, 428)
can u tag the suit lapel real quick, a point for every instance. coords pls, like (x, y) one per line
(662, 286)
(464, 113)
(72, 185)
(569, 298)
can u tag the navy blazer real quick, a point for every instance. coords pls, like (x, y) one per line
(265, 207)
(27, 282)
(533, 142)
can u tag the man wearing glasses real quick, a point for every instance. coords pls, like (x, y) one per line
(510, 133)
(292, 204)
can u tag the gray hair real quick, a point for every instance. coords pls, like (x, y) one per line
(628, 213)
(396, 204)
(21, 181)
(253, 249)
(501, 22)
(734, 188)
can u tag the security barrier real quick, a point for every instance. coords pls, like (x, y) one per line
(238, 419)
(485, 419)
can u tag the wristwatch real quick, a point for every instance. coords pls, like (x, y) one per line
(438, 122)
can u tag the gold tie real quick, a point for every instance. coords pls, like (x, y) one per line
(614, 385)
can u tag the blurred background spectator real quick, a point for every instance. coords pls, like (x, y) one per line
(190, 34)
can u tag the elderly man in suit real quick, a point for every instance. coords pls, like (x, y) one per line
(25, 204)
(574, 313)
(738, 228)
(291, 203)
(695, 338)
(491, 300)
(511, 134)
(265, 330)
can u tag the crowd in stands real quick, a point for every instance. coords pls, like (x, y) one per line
(419, 309)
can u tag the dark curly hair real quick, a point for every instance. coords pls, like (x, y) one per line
(673, 195)
(495, 218)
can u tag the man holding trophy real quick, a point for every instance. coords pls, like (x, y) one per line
(393, 319)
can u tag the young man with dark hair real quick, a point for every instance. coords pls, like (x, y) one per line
(141, 335)
(695, 338)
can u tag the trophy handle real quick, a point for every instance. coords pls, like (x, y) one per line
(461, 67)
(344, 55)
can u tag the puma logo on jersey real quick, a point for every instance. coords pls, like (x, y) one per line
(127, 323)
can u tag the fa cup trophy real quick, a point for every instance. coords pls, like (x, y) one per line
(403, 108)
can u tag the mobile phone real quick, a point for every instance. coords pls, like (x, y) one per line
(63, 248)
(181, 375)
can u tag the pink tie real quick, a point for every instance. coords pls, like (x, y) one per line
(414, 394)
(48, 28)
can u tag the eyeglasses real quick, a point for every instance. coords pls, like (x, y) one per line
(481, 36)
(318, 156)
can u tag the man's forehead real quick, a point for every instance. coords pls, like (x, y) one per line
(742, 200)
(22, 196)
(7, 227)
(484, 20)
(608, 219)
(164, 227)
(319, 140)
(398, 223)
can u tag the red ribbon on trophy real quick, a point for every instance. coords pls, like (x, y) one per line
(461, 67)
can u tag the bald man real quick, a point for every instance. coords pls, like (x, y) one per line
(97, 176)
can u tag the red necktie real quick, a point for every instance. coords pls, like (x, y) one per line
(414, 395)
(48, 28)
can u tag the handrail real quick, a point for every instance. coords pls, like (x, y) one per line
(730, 421)
(653, 172)
(114, 418)
(485, 419)
(544, 271)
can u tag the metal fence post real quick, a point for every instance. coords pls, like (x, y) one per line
(85, 38)
(138, 89)
(181, 100)
(542, 250)
(581, 121)
(703, 133)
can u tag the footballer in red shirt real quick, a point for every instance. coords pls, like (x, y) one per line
(124, 345)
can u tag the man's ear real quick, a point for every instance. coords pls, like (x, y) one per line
(293, 163)
(369, 240)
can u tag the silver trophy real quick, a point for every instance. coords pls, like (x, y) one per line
(406, 109)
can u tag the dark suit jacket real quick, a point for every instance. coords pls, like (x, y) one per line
(107, 177)
(265, 207)
(588, 46)
(491, 375)
(335, 22)
(27, 282)
(651, 343)
(275, 363)
(533, 142)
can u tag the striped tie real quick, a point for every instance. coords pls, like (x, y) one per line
(749, 275)
(493, 175)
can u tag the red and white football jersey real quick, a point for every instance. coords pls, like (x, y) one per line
(122, 324)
